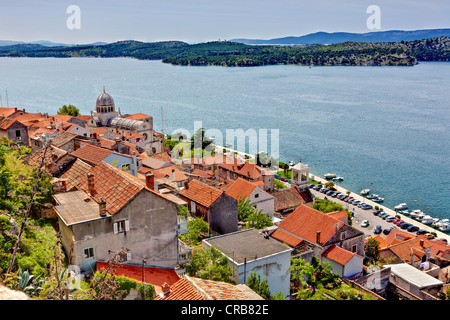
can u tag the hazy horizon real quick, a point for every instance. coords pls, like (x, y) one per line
(206, 20)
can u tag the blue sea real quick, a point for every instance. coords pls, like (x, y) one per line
(383, 128)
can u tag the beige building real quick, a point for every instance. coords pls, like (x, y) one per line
(106, 115)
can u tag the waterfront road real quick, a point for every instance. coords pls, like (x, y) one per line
(361, 215)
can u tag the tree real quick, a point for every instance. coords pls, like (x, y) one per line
(261, 287)
(197, 227)
(326, 205)
(70, 110)
(209, 264)
(252, 217)
(372, 249)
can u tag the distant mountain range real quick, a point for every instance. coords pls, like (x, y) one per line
(341, 37)
(44, 43)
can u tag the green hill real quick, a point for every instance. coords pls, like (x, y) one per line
(223, 53)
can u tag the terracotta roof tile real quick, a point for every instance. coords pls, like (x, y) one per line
(305, 222)
(287, 199)
(91, 154)
(5, 123)
(182, 290)
(77, 170)
(339, 255)
(201, 193)
(240, 188)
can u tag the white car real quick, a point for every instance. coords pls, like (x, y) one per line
(365, 223)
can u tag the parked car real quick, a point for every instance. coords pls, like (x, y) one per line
(430, 235)
(421, 231)
(390, 219)
(277, 176)
(329, 193)
(412, 228)
(312, 185)
(318, 187)
(284, 179)
(388, 230)
(399, 222)
(366, 207)
(376, 212)
(377, 229)
(405, 225)
(334, 195)
(365, 223)
(355, 203)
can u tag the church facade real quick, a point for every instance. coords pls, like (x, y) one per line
(106, 115)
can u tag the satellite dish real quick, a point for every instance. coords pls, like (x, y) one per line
(373, 268)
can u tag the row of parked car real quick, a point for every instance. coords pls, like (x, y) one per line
(399, 223)
(340, 196)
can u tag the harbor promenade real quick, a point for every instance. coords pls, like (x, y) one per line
(390, 211)
(357, 196)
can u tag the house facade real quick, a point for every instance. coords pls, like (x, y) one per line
(112, 210)
(312, 233)
(14, 130)
(213, 205)
(250, 251)
(260, 199)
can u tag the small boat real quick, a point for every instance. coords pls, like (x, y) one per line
(401, 206)
(378, 199)
(415, 213)
(338, 179)
(405, 212)
(372, 196)
(330, 176)
(364, 192)
(427, 220)
(445, 227)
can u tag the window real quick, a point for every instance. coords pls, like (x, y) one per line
(88, 252)
(257, 195)
(121, 226)
(343, 236)
(354, 247)
(17, 133)
(193, 208)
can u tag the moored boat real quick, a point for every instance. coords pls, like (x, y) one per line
(338, 179)
(378, 199)
(372, 196)
(330, 175)
(364, 192)
(401, 206)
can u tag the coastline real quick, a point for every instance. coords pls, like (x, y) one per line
(355, 195)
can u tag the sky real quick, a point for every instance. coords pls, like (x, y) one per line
(208, 20)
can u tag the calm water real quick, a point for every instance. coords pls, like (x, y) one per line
(386, 128)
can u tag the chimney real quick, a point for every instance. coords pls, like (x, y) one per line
(102, 207)
(186, 185)
(91, 185)
(150, 181)
(165, 288)
(173, 174)
(318, 237)
(421, 242)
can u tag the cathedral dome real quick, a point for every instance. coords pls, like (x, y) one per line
(105, 103)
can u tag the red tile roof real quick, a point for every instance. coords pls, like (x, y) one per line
(91, 154)
(305, 222)
(166, 172)
(116, 187)
(286, 237)
(113, 185)
(201, 193)
(5, 123)
(77, 170)
(339, 255)
(247, 169)
(137, 116)
(240, 188)
(156, 276)
(182, 290)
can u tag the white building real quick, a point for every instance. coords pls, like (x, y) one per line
(251, 251)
